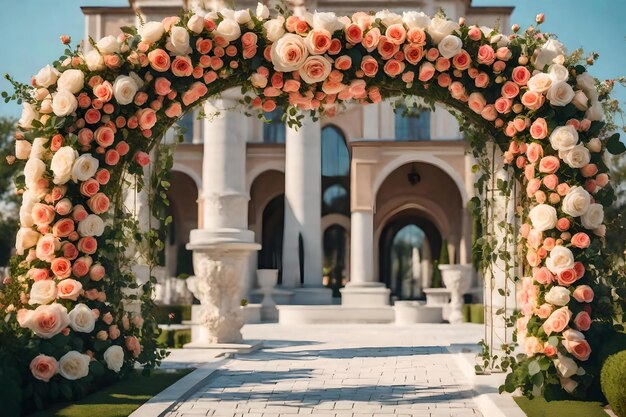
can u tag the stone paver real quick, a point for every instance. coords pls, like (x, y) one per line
(340, 371)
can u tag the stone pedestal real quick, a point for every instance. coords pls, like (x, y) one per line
(438, 297)
(457, 279)
(219, 269)
(411, 312)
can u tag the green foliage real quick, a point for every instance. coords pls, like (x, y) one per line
(444, 257)
(612, 380)
(175, 338)
(539, 407)
(172, 314)
(8, 197)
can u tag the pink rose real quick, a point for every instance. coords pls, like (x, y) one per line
(69, 289)
(481, 80)
(521, 75)
(539, 128)
(88, 245)
(174, 110)
(99, 203)
(44, 367)
(114, 332)
(416, 36)
(112, 157)
(549, 350)
(182, 66)
(43, 214)
(396, 33)
(142, 158)
(532, 346)
(317, 41)
(38, 274)
(543, 275)
(575, 343)
(147, 118)
(533, 100)
(544, 310)
(354, 34)
(96, 272)
(393, 67)
(510, 90)
(567, 277)
(558, 321)
(46, 247)
(132, 344)
(550, 181)
(582, 321)
(89, 187)
(462, 60)
(371, 39)
(162, 86)
(534, 152)
(581, 240)
(104, 136)
(61, 267)
(426, 72)
(583, 294)
(486, 55)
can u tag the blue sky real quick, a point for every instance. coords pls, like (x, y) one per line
(31, 30)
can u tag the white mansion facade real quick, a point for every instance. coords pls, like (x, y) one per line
(365, 199)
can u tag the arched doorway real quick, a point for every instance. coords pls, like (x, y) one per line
(335, 243)
(270, 255)
(408, 244)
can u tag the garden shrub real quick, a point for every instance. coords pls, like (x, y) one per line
(613, 380)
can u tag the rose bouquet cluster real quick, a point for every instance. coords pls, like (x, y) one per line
(94, 116)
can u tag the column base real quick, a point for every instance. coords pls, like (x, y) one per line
(365, 294)
(312, 296)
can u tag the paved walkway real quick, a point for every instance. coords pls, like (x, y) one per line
(340, 371)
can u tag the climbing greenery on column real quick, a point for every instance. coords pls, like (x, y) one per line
(93, 117)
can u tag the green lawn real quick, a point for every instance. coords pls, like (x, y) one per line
(118, 400)
(538, 407)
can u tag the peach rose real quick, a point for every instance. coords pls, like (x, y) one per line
(549, 350)
(567, 277)
(543, 275)
(371, 39)
(182, 66)
(481, 80)
(462, 60)
(343, 63)
(521, 75)
(44, 367)
(114, 332)
(581, 240)
(575, 343)
(317, 41)
(89, 187)
(426, 72)
(354, 34)
(539, 128)
(583, 294)
(99, 203)
(532, 346)
(387, 48)
(550, 181)
(558, 321)
(43, 214)
(544, 310)
(396, 33)
(147, 118)
(46, 247)
(486, 55)
(63, 227)
(393, 67)
(104, 136)
(61, 267)
(132, 344)
(69, 289)
(45, 321)
(96, 272)
(533, 100)
(159, 60)
(369, 65)
(534, 152)
(509, 90)
(103, 91)
(549, 164)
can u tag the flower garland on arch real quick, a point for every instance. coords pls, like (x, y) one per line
(93, 116)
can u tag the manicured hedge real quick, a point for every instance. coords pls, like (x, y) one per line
(613, 380)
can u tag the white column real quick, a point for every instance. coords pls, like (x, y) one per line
(363, 289)
(221, 249)
(362, 255)
(303, 211)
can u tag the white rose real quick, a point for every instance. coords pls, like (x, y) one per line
(388, 18)
(540, 82)
(594, 145)
(114, 358)
(43, 292)
(151, 32)
(62, 164)
(178, 41)
(559, 296)
(196, 24)
(440, 28)
(560, 94)
(91, 226)
(22, 149)
(450, 46)
(82, 319)
(227, 13)
(46, 76)
(543, 217)
(416, 19)
(26, 238)
(548, 52)
(33, 172)
(576, 202)
(577, 157)
(565, 366)
(71, 80)
(587, 83)
(594, 217)
(74, 365)
(289, 53)
(580, 100)
(560, 259)
(84, 167)
(500, 40)
(37, 149)
(243, 16)
(274, 28)
(558, 72)
(124, 89)
(258, 80)
(94, 61)
(108, 45)
(213, 15)
(324, 21)
(564, 138)
(64, 103)
(568, 384)
(28, 115)
(29, 199)
(262, 12)
(228, 29)
(594, 112)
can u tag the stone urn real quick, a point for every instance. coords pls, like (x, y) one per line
(457, 279)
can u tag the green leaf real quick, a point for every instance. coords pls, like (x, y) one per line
(614, 145)
(66, 391)
(534, 368)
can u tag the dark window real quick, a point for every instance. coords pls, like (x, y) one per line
(335, 172)
(412, 124)
(274, 130)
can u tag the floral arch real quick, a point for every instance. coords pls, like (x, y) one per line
(93, 118)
